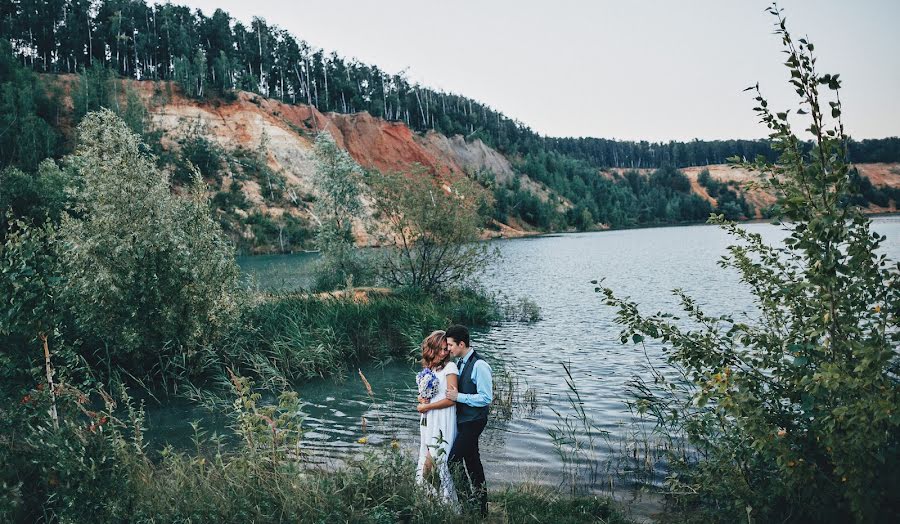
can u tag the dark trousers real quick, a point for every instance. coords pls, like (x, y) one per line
(465, 452)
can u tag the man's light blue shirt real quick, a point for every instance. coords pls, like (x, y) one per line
(481, 375)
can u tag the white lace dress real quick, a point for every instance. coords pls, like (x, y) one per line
(436, 438)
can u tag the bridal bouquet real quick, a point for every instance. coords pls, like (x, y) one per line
(427, 382)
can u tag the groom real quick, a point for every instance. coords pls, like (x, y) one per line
(473, 399)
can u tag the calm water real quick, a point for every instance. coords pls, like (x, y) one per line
(577, 329)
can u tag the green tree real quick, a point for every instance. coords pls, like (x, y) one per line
(150, 275)
(94, 90)
(33, 197)
(26, 115)
(432, 230)
(338, 205)
(792, 417)
(30, 279)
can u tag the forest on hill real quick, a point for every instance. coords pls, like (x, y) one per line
(212, 57)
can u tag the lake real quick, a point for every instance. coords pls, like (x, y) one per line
(577, 329)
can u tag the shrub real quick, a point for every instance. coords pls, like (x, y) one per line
(34, 197)
(792, 417)
(432, 231)
(77, 468)
(199, 153)
(338, 183)
(148, 274)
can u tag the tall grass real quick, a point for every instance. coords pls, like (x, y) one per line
(299, 337)
(95, 468)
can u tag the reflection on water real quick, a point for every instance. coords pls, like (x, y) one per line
(577, 329)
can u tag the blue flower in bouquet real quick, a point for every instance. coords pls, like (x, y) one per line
(427, 383)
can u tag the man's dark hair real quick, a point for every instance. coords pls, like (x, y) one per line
(459, 334)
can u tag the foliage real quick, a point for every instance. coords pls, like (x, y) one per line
(270, 432)
(33, 197)
(522, 309)
(432, 230)
(303, 337)
(149, 273)
(728, 202)
(81, 470)
(339, 185)
(30, 275)
(27, 115)
(627, 200)
(95, 90)
(528, 503)
(793, 416)
(198, 153)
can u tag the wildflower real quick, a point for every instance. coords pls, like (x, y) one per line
(877, 308)
(395, 444)
(363, 440)
(26, 399)
(782, 432)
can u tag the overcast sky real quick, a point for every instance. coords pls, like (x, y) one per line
(626, 69)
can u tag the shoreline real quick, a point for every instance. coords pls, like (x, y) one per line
(522, 234)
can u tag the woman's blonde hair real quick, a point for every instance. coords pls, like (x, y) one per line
(431, 349)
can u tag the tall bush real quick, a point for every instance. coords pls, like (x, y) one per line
(432, 230)
(792, 417)
(149, 273)
(338, 205)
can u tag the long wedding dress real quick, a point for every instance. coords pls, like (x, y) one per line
(437, 436)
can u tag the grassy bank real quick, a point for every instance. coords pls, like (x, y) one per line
(93, 466)
(291, 338)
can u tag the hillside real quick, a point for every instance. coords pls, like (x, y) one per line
(879, 174)
(273, 212)
(255, 154)
(283, 135)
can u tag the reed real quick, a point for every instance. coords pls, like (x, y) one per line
(289, 338)
(95, 468)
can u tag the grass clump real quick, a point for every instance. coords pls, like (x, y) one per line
(527, 503)
(301, 336)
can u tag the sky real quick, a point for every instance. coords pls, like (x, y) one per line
(627, 69)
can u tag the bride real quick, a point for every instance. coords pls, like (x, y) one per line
(439, 431)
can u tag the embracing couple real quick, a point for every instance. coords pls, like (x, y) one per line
(454, 403)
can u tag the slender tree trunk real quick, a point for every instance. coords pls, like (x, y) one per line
(49, 370)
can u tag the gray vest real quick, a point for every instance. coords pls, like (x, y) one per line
(464, 412)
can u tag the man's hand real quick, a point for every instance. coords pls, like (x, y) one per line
(422, 408)
(452, 393)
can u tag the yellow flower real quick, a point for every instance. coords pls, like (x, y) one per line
(395, 444)
(363, 440)
(877, 308)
